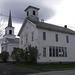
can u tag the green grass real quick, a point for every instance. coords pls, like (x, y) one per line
(46, 66)
(43, 66)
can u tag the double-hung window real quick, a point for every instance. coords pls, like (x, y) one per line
(44, 35)
(44, 52)
(56, 37)
(67, 39)
(33, 36)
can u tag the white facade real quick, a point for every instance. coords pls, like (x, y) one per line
(27, 34)
(51, 41)
(54, 45)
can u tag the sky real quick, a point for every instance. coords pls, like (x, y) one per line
(58, 12)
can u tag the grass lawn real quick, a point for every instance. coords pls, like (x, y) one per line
(46, 66)
(43, 66)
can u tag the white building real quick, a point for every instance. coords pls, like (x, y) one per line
(54, 43)
(9, 41)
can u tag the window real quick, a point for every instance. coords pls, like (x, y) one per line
(33, 12)
(32, 36)
(26, 38)
(44, 52)
(67, 39)
(27, 13)
(60, 52)
(21, 40)
(55, 51)
(65, 52)
(50, 51)
(10, 31)
(56, 37)
(44, 35)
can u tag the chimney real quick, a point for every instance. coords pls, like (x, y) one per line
(65, 26)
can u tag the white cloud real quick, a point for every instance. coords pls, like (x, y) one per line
(65, 14)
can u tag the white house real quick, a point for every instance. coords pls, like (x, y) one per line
(54, 43)
(9, 41)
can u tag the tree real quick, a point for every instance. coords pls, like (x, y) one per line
(17, 54)
(4, 56)
(31, 54)
(2, 23)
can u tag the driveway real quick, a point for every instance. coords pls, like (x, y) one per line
(12, 70)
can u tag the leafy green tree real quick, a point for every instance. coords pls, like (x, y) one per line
(31, 54)
(4, 56)
(17, 54)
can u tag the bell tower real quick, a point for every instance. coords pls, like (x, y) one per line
(9, 30)
(32, 12)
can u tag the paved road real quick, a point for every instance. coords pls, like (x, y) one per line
(65, 72)
(12, 70)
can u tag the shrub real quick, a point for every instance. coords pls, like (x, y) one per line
(31, 54)
(17, 54)
(4, 56)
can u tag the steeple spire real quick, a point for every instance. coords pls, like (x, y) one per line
(10, 20)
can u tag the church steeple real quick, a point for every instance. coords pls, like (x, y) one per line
(10, 20)
(9, 30)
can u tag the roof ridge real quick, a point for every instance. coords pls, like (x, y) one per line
(53, 27)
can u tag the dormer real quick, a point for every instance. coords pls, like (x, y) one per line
(32, 12)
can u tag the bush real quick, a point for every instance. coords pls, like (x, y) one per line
(31, 54)
(4, 56)
(17, 54)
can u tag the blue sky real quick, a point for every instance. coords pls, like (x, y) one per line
(59, 12)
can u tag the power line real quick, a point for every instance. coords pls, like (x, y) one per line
(23, 18)
(11, 16)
